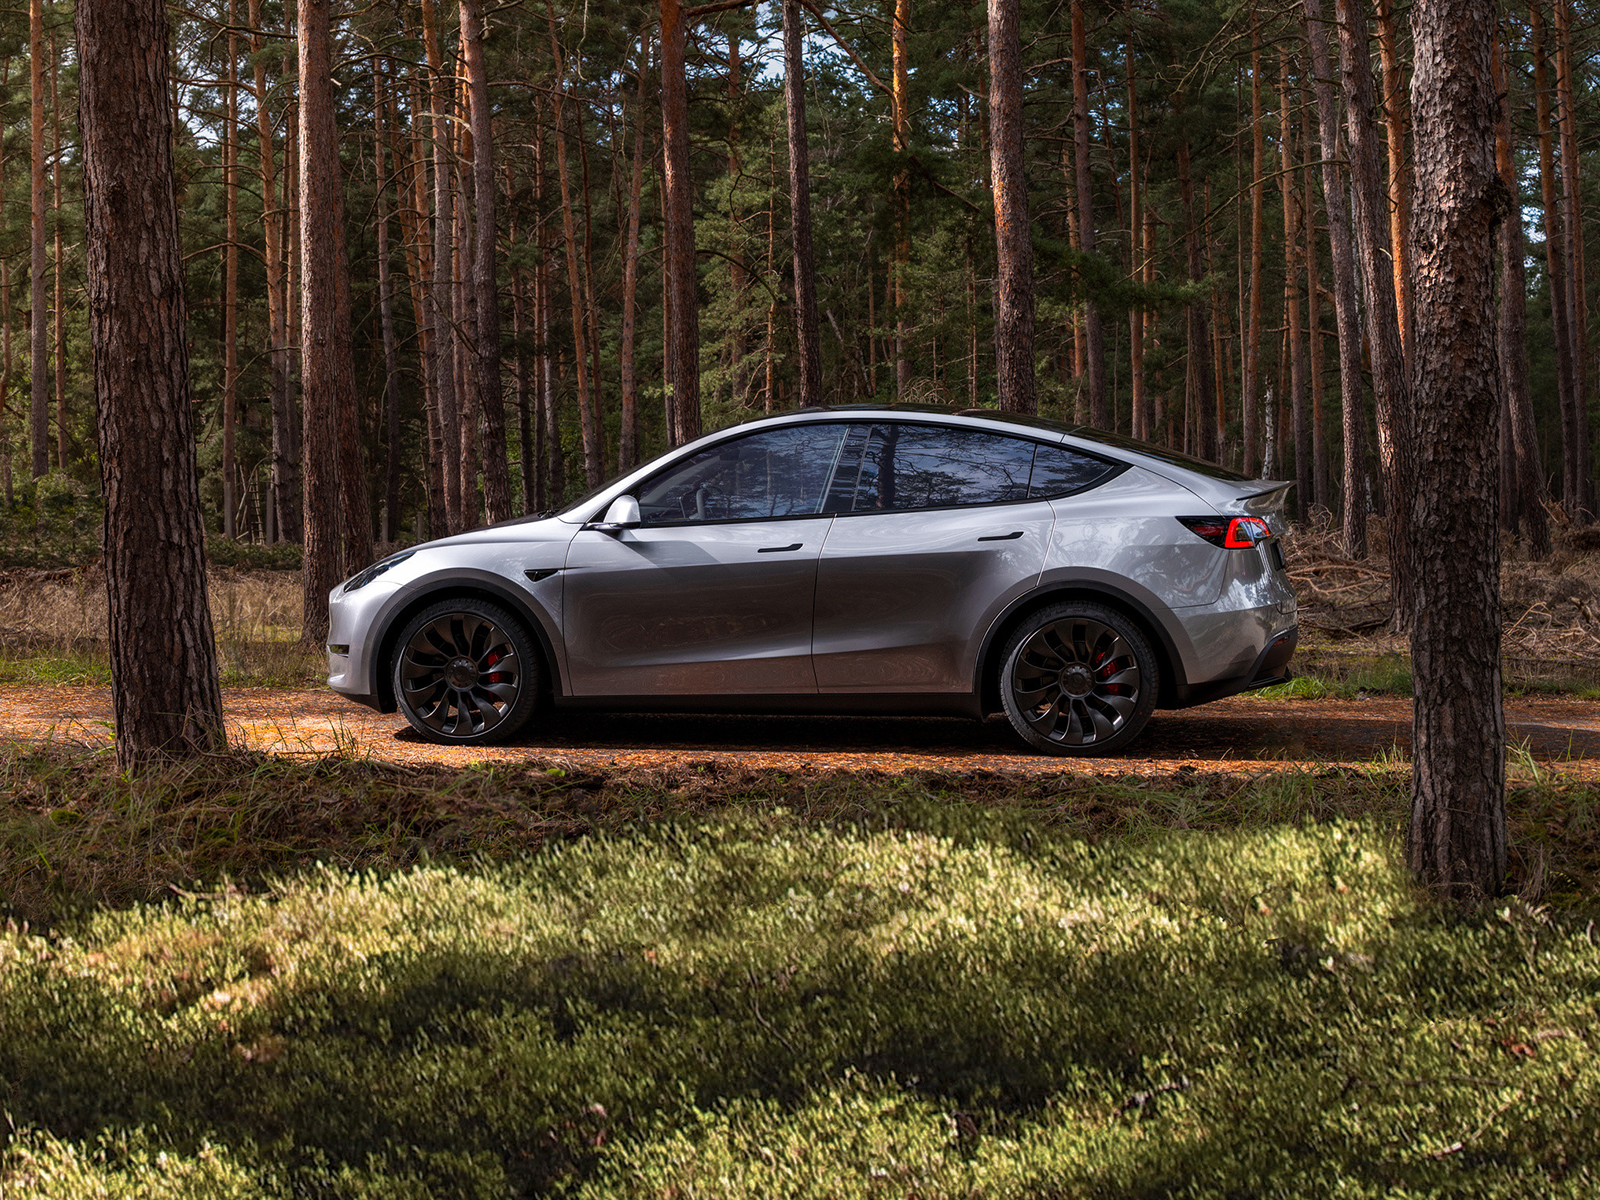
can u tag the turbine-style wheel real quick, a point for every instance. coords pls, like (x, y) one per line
(1078, 679)
(465, 673)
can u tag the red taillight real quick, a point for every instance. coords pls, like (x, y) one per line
(1229, 533)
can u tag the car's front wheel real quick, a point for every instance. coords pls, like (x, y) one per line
(1078, 679)
(465, 673)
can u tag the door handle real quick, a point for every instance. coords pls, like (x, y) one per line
(1002, 537)
(780, 549)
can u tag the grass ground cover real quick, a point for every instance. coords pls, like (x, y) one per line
(256, 977)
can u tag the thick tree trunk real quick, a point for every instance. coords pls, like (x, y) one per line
(683, 335)
(1383, 325)
(807, 336)
(1013, 231)
(39, 346)
(1344, 290)
(332, 465)
(491, 396)
(163, 653)
(1456, 843)
(1094, 342)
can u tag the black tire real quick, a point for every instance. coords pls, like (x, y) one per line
(466, 673)
(1078, 679)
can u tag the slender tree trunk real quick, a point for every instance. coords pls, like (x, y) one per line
(1578, 299)
(628, 442)
(1139, 423)
(491, 397)
(1394, 109)
(556, 462)
(1388, 358)
(1456, 842)
(230, 269)
(1205, 393)
(1344, 290)
(165, 692)
(594, 468)
(39, 410)
(1323, 495)
(808, 350)
(1013, 304)
(391, 364)
(1093, 334)
(442, 334)
(1525, 483)
(590, 301)
(1252, 358)
(332, 465)
(1294, 220)
(900, 96)
(58, 273)
(1572, 485)
(678, 202)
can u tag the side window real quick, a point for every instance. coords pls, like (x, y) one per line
(928, 466)
(1058, 471)
(779, 473)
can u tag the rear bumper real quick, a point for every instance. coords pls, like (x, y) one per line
(1271, 667)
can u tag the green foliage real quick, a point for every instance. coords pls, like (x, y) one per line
(932, 999)
(53, 521)
(256, 556)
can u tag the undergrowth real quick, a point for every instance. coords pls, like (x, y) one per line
(517, 983)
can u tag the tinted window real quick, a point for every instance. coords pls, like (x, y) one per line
(926, 466)
(1058, 471)
(779, 473)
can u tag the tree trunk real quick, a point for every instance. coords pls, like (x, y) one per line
(1572, 483)
(1456, 842)
(163, 653)
(1013, 232)
(1094, 344)
(491, 397)
(1139, 422)
(1294, 219)
(683, 355)
(628, 441)
(1399, 174)
(391, 365)
(1383, 327)
(440, 309)
(230, 269)
(332, 466)
(1258, 152)
(39, 409)
(1323, 493)
(1578, 300)
(555, 462)
(807, 337)
(1344, 290)
(58, 275)
(1205, 391)
(900, 99)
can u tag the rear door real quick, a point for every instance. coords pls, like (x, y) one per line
(936, 528)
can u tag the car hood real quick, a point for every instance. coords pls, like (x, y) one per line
(539, 528)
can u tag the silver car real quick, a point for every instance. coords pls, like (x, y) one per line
(847, 560)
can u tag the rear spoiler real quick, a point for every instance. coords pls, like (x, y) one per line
(1271, 499)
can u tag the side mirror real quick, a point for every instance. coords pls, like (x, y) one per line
(622, 514)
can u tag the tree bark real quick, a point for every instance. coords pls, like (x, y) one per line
(678, 204)
(1205, 388)
(628, 439)
(332, 467)
(1399, 174)
(491, 395)
(165, 690)
(1383, 325)
(442, 336)
(391, 364)
(1578, 299)
(1094, 342)
(1456, 842)
(1252, 356)
(58, 262)
(807, 337)
(1139, 421)
(1323, 493)
(230, 268)
(1294, 220)
(1013, 231)
(1525, 483)
(1344, 290)
(900, 99)
(39, 346)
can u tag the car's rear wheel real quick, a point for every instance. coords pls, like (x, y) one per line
(1078, 679)
(465, 673)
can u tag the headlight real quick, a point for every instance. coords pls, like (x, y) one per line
(362, 578)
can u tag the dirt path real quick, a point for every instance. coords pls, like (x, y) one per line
(1244, 734)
